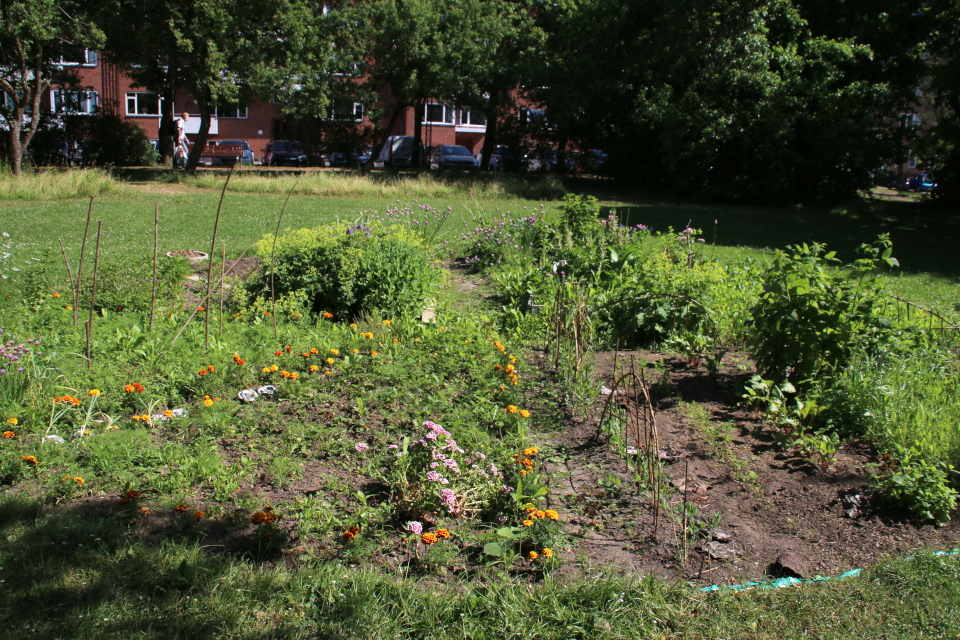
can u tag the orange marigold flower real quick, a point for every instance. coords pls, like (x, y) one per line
(288, 349)
(135, 417)
(335, 352)
(524, 413)
(199, 515)
(168, 414)
(356, 350)
(509, 368)
(202, 372)
(314, 351)
(94, 393)
(133, 493)
(240, 361)
(258, 518)
(9, 434)
(79, 481)
(353, 326)
(138, 387)
(284, 374)
(511, 409)
(387, 322)
(144, 510)
(129, 388)
(547, 552)
(278, 353)
(181, 508)
(145, 418)
(533, 556)
(553, 515)
(523, 472)
(210, 368)
(314, 368)
(274, 367)
(208, 402)
(502, 388)
(374, 353)
(531, 451)
(497, 368)
(13, 421)
(513, 359)
(540, 514)
(528, 523)
(328, 373)
(443, 534)
(428, 538)
(294, 375)
(327, 315)
(56, 295)
(29, 460)
(330, 360)
(265, 370)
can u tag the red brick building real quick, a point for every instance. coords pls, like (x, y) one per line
(107, 88)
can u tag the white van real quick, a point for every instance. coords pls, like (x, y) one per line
(397, 152)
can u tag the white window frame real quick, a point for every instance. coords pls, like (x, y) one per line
(911, 121)
(135, 95)
(911, 159)
(241, 109)
(90, 59)
(356, 112)
(445, 113)
(465, 119)
(87, 100)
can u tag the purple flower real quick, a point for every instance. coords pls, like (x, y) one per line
(415, 527)
(361, 447)
(507, 489)
(433, 476)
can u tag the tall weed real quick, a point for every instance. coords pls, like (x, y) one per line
(56, 184)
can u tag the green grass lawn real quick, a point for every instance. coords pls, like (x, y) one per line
(923, 238)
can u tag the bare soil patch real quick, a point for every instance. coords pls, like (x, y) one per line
(792, 506)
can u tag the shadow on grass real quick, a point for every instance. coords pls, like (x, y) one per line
(85, 571)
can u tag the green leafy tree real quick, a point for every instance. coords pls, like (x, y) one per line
(219, 52)
(35, 38)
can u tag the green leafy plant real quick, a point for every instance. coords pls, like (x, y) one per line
(910, 481)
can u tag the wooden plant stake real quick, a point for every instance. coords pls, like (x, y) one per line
(205, 300)
(273, 253)
(223, 264)
(83, 246)
(156, 248)
(93, 293)
(213, 246)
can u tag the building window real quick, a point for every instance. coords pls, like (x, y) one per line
(911, 160)
(911, 121)
(438, 114)
(345, 110)
(471, 118)
(74, 56)
(232, 111)
(74, 102)
(144, 104)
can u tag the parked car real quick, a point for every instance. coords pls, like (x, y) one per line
(397, 152)
(453, 156)
(921, 182)
(357, 157)
(246, 159)
(285, 153)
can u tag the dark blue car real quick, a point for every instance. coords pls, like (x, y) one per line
(453, 156)
(921, 182)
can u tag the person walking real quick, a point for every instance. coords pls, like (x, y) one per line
(182, 149)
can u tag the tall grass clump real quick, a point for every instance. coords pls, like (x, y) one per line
(352, 184)
(910, 400)
(56, 184)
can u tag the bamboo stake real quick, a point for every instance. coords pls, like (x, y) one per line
(273, 253)
(83, 247)
(213, 246)
(204, 301)
(69, 273)
(223, 264)
(156, 248)
(93, 293)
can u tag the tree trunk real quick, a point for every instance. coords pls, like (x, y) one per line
(490, 137)
(165, 143)
(15, 151)
(397, 110)
(201, 141)
(418, 117)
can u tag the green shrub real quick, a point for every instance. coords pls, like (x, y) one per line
(347, 270)
(812, 317)
(913, 483)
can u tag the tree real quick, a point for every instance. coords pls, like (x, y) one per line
(716, 98)
(37, 37)
(219, 51)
